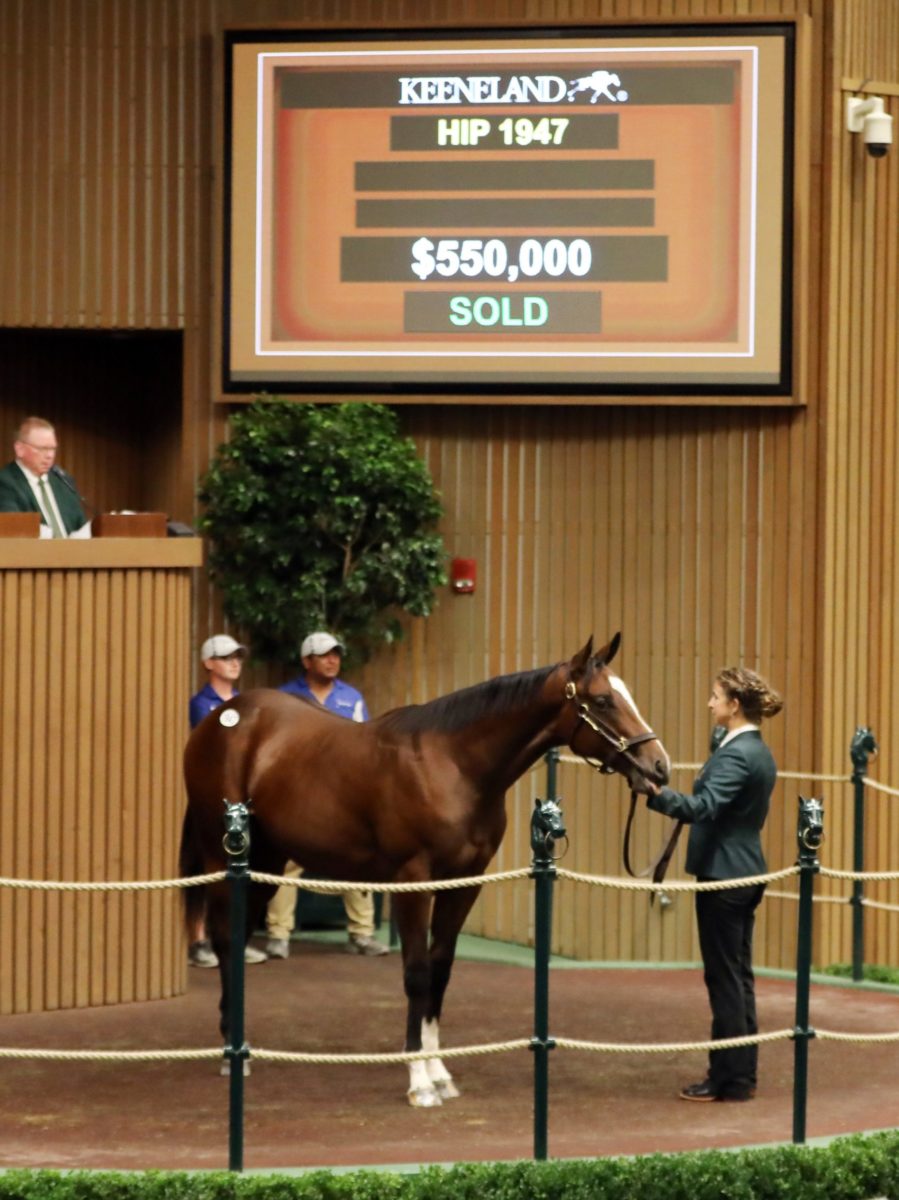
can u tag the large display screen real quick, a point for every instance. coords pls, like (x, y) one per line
(511, 214)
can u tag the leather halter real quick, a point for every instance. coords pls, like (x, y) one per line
(622, 747)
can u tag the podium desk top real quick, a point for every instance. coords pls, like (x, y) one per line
(79, 554)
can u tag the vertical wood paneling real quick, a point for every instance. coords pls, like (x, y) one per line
(862, 391)
(91, 115)
(694, 503)
(94, 700)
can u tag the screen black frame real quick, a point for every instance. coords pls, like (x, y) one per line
(466, 391)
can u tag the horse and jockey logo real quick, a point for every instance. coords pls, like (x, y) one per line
(600, 83)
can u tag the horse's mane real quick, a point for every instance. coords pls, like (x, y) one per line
(458, 709)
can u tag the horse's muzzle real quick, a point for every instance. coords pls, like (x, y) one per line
(657, 771)
(661, 772)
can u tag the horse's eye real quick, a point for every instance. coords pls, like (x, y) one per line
(602, 701)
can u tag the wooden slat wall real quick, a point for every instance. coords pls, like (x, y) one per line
(709, 535)
(860, 500)
(91, 115)
(568, 514)
(94, 686)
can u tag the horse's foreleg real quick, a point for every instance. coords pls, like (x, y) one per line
(450, 910)
(218, 925)
(412, 912)
(218, 931)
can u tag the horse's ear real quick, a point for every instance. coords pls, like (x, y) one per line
(581, 660)
(607, 653)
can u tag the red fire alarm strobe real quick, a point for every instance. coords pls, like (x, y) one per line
(463, 574)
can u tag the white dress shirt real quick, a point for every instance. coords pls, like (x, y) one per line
(44, 496)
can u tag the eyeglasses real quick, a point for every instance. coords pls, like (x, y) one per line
(41, 449)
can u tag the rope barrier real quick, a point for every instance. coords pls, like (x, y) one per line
(877, 904)
(329, 886)
(401, 1056)
(872, 876)
(445, 1052)
(880, 787)
(48, 885)
(833, 900)
(112, 1055)
(828, 1035)
(803, 776)
(778, 1035)
(644, 885)
(815, 899)
(431, 885)
(811, 777)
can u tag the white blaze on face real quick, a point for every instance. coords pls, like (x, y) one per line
(622, 689)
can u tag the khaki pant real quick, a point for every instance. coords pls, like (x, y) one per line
(280, 916)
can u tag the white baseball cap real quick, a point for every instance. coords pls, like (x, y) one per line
(220, 645)
(319, 643)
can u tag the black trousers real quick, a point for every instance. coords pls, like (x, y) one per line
(726, 920)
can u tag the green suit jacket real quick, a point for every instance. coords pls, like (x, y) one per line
(727, 809)
(16, 496)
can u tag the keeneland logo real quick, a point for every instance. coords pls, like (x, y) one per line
(599, 83)
(514, 89)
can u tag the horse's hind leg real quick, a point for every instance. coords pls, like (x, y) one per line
(450, 910)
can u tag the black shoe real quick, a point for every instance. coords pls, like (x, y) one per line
(703, 1092)
(706, 1092)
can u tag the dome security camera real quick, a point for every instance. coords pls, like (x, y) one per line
(868, 118)
(878, 134)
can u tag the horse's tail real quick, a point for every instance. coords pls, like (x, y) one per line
(190, 863)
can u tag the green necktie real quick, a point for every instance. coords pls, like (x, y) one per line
(49, 510)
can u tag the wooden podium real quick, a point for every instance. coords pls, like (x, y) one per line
(139, 524)
(96, 675)
(20, 525)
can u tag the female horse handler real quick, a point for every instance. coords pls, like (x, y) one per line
(726, 813)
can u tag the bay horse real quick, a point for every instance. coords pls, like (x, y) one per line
(417, 794)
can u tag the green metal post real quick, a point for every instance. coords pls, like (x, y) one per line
(810, 834)
(546, 829)
(862, 745)
(552, 769)
(237, 846)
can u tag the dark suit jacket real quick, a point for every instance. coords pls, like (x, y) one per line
(16, 496)
(727, 809)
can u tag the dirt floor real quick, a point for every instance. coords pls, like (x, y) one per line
(321, 999)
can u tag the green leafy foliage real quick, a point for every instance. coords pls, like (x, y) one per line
(859, 1167)
(321, 517)
(871, 973)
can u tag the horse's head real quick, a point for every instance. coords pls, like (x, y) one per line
(606, 727)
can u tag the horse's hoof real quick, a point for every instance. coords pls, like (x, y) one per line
(446, 1089)
(423, 1098)
(225, 1068)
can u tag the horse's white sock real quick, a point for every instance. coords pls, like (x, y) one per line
(419, 1079)
(430, 1040)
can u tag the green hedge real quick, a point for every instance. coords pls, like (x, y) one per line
(860, 1167)
(871, 973)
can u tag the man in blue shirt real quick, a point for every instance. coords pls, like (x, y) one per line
(223, 659)
(319, 683)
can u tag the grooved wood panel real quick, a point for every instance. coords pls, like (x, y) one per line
(860, 499)
(664, 524)
(868, 39)
(94, 687)
(91, 112)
